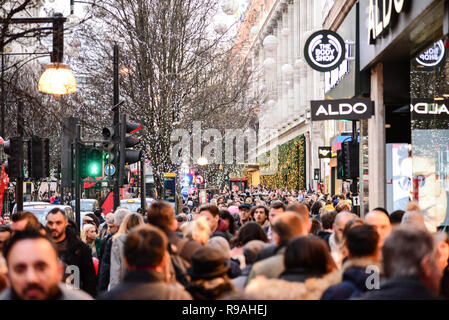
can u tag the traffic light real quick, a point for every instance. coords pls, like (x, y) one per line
(127, 155)
(317, 175)
(108, 145)
(38, 158)
(91, 162)
(351, 161)
(14, 165)
(341, 157)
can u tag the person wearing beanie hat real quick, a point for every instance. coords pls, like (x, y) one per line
(244, 215)
(209, 274)
(222, 244)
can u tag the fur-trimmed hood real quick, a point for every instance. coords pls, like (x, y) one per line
(277, 289)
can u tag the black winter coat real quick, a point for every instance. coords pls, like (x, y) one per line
(105, 265)
(353, 285)
(80, 255)
(400, 288)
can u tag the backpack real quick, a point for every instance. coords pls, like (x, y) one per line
(180, 265)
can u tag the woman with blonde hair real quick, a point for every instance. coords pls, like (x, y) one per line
(197, 230)
(89, 237)
(118, 268)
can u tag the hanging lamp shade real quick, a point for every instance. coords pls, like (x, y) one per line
(270, 43)
(57, 79)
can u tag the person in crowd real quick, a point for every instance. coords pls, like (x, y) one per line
(410, 265)
(316, 226)
(249, 232)
(315, 210)
(7, 219)
(396, 218)
(105, 261)
(5, 235)
(145, 255)
(25, 219)
(89, 237)
(222, 244)
(250, 252)
(118, 267)
(327, 221)
(442, 247)
(244, 215)
(414, 218)
(229, 219)
(343, 206)
(92, 219)
(197, 230)
(361, 243)
(276, 208)
(160, 214)
(35, 271)
(307, 257)
(336, 238)
(71, 250)
(285, 227)
(103, 229)
(381, 221)
(217, 225)
(209, 273)
(260, 215)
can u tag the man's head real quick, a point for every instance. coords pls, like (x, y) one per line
(409, 252)
(362, 241)
(328, 219)
(339, 225)
(119, 215)
(162, 215)
(381, 222)
(303, 210)
(145, 248)
(396, 217)
(212, 215)
(261, 214)
(23, 220)
(5, 235)
(112, 226)
(34, 270)
(245, 212)
(414, 218)
(56, 224)
(288, 226)
(276, 208)
(6, 219)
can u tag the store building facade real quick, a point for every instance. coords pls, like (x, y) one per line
(405, 145)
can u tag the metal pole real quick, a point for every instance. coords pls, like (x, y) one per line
(116, 125)
(143, 193)
(3, 96)
(77, 177)
(19, 193)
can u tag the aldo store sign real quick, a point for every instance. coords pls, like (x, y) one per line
(324, 50)
(348, 109)
(381, 16)
(428, 109)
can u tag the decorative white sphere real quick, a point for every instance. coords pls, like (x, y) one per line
(299, 62)
(262, 88)
(73, 21)
(285, 32)
(270, 43)
(220, 27)
(230, 6)
(271, 103)
(76, 42)
(287, 69)
(254, 30)
(269, 63)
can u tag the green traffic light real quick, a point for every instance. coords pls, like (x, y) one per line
(94, 170)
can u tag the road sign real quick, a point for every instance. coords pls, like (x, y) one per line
(109, 169)
(199, 179)
(356, 201)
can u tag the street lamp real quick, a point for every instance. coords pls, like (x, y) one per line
(202, 161)
(57, 78)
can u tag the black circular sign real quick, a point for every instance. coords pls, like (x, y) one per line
(325, 50)
(433, 57)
